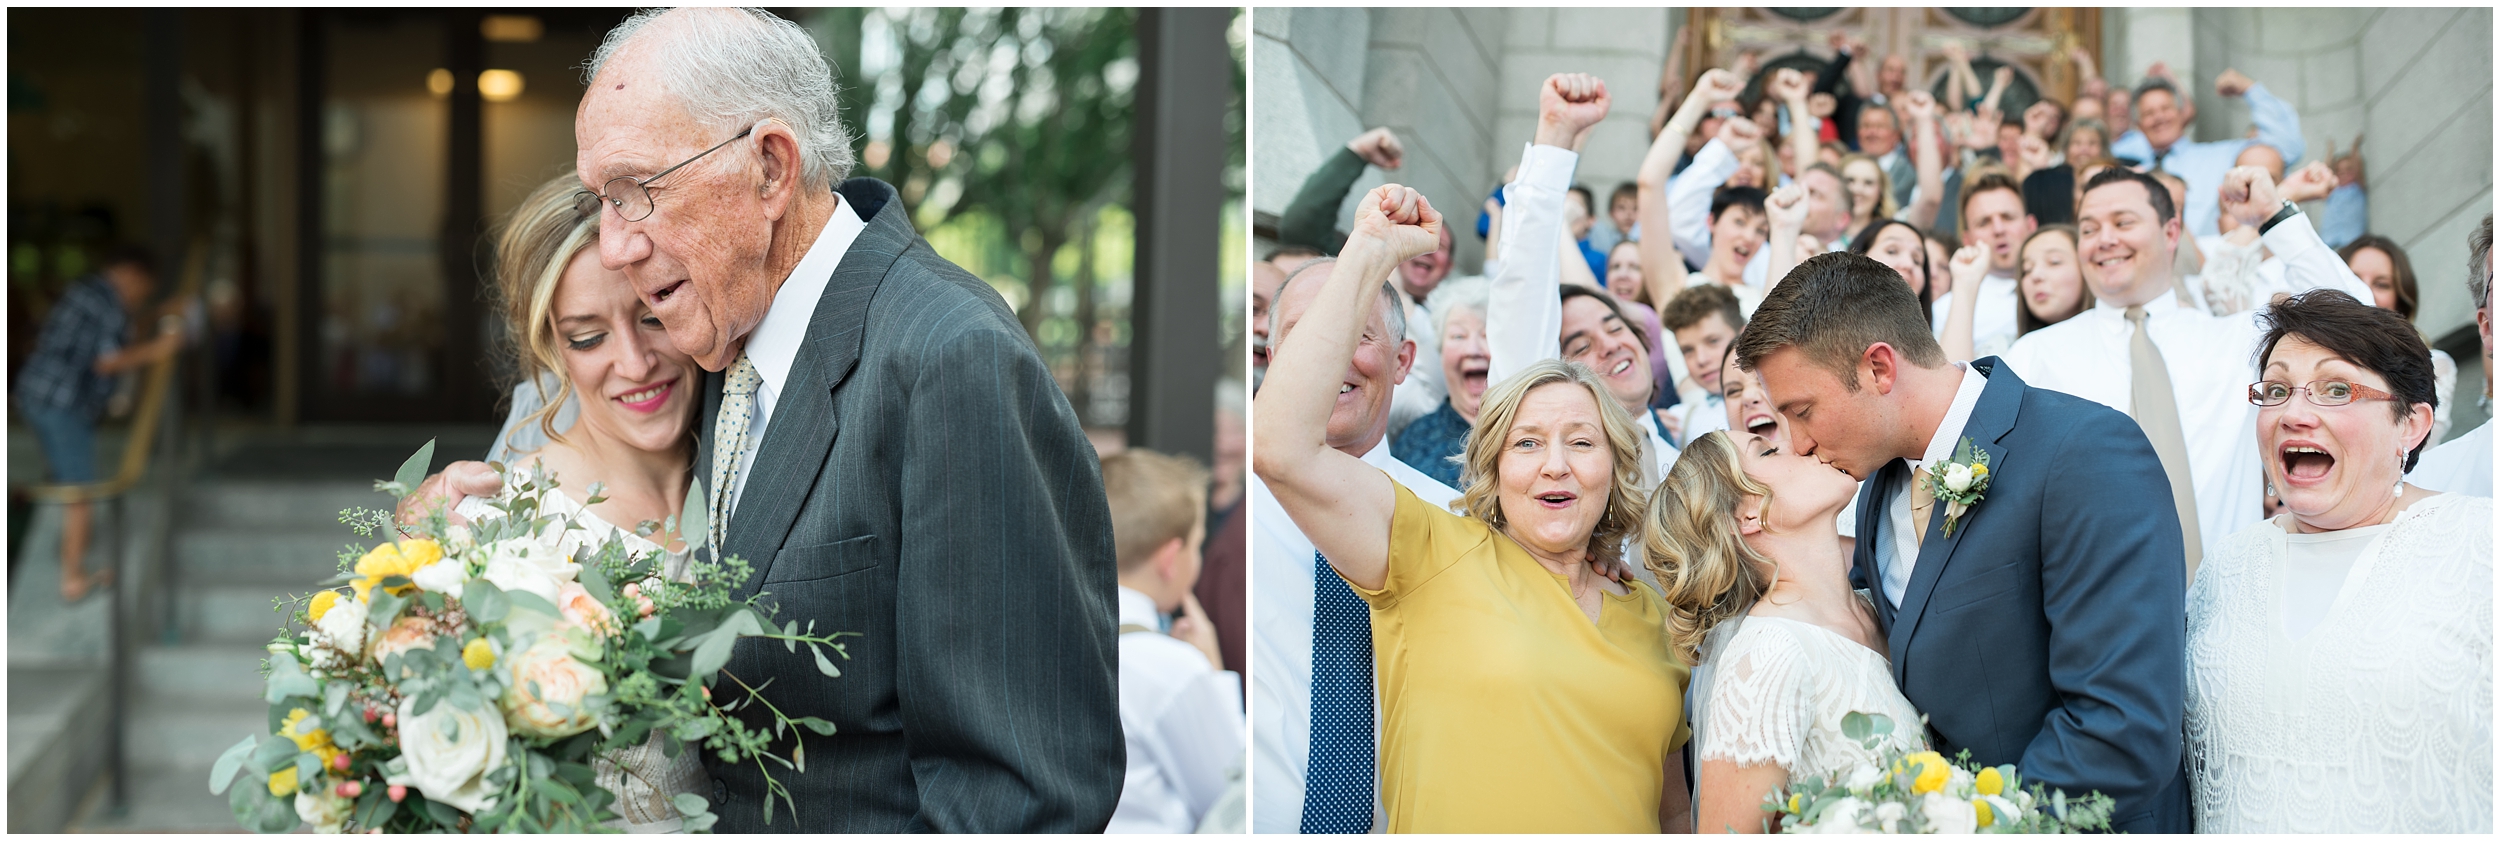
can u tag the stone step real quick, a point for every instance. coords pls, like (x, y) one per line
(162, 799)
(294, 556)
(231, 613)
(58, 721)
(209, 672)
(301, 505)
(168, 730)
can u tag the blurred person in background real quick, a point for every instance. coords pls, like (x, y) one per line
(1180, 710)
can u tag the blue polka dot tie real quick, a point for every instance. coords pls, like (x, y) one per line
(1338, 795)
(729, 440)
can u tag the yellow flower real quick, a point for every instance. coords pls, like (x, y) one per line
(1926, 770)
(1979, 470)
(1990, 783)
(282, 783)
(1795, 801)
(322, 602)
(1986, 815)
(315, 741)
(389, 559)
(478, 654)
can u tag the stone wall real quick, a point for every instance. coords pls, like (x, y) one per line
(1626, 47)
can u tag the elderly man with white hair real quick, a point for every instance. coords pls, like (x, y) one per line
(880, 441)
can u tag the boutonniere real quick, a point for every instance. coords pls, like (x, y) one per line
(1961, 484)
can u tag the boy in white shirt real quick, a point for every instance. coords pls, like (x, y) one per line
(1179, 708)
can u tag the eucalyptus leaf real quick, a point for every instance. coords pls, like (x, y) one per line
(822, 664)
(486, 602)
(821, 726)
(596, 582)
(412, 472)
(257, 810)
(533, 601)
(690, 804)
(287, 680)
(713, 653)
(691, 524)
(230, 762)
(273, 755)
(442, 813)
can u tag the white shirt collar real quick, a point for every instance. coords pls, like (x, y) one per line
(774, 346)
(1137, 608)
(2161, 303)
(1949, 431)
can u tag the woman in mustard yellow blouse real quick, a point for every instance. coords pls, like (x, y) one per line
(1521, 689)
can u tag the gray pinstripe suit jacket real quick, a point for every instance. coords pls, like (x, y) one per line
(924, 482)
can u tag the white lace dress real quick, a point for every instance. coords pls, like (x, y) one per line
(2376, 720)
(643, 777)
(1779, 692)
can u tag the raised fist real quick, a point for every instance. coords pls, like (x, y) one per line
(1569, 104)
(1379, 148)
(1918, 105)
(2035, 152)
(1739, 134)
(2161, 69)
(1983, 129)
(1787, 208)
(1955, 52)
(2232, 83)
(1968, 265)
(2248, 194)
(1399, 220)
(1715, 86)
(1787, 85)
(2004, 76)
(2308, 183)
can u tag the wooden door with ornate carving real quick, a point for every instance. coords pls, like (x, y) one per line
(2033, 41)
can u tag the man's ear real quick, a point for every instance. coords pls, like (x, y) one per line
(777, 150)
(1880, 366)
(1406, 360)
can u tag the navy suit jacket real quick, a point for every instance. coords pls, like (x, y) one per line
(2049, 631)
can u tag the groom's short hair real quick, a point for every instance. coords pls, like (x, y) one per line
(1834, 307)
(1155, 499)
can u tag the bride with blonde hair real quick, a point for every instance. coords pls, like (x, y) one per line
(1742, 537)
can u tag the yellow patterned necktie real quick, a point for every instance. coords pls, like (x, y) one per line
(1922, 503)
(729, 441)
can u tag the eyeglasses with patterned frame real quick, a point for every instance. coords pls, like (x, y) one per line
(2328, 393)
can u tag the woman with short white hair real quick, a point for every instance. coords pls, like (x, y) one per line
(1433, 442)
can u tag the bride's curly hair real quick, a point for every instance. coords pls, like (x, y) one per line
(1706, 571)
(532, 248)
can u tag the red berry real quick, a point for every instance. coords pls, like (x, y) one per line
(340, 762)
(390, 719)
(351, 788)
(397, 793)
(370, 715)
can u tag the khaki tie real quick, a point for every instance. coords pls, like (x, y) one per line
(1922, 503)
(729, 440)
(2156, 409)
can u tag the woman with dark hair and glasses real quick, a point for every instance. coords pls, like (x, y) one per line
(2382, 264)
(2339, 655)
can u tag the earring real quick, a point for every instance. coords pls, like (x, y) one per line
(2398, 492)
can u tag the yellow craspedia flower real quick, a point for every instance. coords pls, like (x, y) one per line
(478, 654)
(1989, 782)
(1795, 802)
(389, 559)
(322, 602)
(1986, 815)
(1979, 470)
(1925, 769)
(282, 783)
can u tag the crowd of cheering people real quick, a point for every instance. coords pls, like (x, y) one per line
(1615, 412)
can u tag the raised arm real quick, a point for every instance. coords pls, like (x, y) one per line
(1791, 89)
(1523, 318)
(2278, 123)
(1961, 321)
(1311, 218)
(1961, 82)
(1671, 83)
(1343, 504)
(1689, 192)
(1662, 265)
(1786, 208)
(1920, 108)
(2004, 77)
(2249, 195)
(2088, 72)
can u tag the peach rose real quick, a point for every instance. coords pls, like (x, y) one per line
(410, 632)
(558, 678)
(582, 610)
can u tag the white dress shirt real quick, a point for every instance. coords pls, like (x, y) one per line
(1282, 563)
(2211, 361)
(1700, 417)
(2202, 165)
(774, 346)
(1992, 325)
(1182, 720)
(1688, 212)
(1523, 319)
(1896, 569)
(2461, 466)
(1423, 391)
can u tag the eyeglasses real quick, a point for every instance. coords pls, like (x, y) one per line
(2321, 393)
(632, 196)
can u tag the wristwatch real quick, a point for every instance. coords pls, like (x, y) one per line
(2289, 210)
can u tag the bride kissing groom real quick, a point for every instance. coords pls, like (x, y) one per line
(879, 439)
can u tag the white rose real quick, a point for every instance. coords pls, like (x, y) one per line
(459, 539)
(449, 750)
(1842, 818)
(2006, 810)
(1864, 779)
(1889, 815)
(1957, 477)
(1948, 815)
(444, 576)
(524, 564)
(549, 665)
(325, 810)
(339, 632)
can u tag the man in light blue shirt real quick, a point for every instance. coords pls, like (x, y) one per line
(2159, 140)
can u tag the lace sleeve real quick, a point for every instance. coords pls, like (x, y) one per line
(1758, 703)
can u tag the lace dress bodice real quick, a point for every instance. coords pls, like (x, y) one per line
(2376, 720)
(642, 777)
(1780, 692)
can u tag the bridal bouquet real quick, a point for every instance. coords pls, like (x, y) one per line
(468, 676)
(1921, 793)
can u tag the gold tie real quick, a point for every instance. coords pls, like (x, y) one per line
(1922, 503)
(729, 441)
(2156, 409)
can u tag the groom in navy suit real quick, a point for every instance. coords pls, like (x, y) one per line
(2045, 624)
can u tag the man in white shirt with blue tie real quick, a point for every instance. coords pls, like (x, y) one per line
(1334, 771)
(2138, 337)
(2163, 114)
